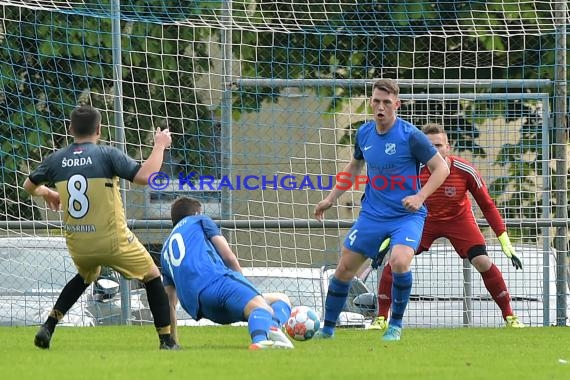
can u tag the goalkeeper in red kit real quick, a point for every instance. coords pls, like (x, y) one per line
(450, 216)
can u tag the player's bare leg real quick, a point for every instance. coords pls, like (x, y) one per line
(264, 330)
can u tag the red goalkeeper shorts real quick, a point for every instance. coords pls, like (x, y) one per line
(463, 233)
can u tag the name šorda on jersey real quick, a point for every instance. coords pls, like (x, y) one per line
(70, 162)
(80, 228)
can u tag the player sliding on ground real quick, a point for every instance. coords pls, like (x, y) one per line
(450, 216)
(200, 269)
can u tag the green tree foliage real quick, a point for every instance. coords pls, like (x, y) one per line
(51, 62)
(521, 159)
(418, 39)
(409, 39)
(453, 114)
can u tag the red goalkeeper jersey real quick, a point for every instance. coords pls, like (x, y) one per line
(450, 200)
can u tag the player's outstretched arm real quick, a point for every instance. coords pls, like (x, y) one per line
(162, 141)
(477, 187)
(172, 302)
(225, 252)
(480, 193)
(350, 171)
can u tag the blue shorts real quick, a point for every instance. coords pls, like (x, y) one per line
(224, 300)
(367, 234)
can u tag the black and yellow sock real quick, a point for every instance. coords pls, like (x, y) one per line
(69, 295)
(158, 303)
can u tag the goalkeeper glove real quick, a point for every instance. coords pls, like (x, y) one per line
(384, 248)
(509, 251)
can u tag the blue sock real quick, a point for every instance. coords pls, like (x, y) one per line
(258, 323)
(401, 289)
(336, 298)
(281, 312)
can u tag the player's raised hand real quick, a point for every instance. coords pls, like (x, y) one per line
(509, 250)
(162, 138)
(320, 209)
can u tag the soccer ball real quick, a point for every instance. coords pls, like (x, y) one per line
(303, 323)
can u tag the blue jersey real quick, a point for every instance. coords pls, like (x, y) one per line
(190, 261)
(393, 165)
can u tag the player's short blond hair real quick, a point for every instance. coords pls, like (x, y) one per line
(433, 129)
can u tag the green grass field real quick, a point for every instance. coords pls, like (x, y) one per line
(213, 353)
